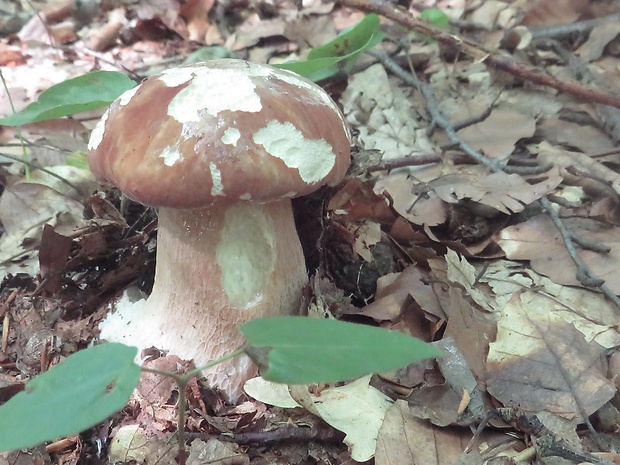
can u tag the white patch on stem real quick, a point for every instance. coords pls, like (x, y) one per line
(245, 254)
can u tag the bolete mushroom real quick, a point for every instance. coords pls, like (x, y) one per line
(220, 148)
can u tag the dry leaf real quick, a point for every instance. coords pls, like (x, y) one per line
(384, 115)
(539, 362)
(539, 241)
(130, 443)
(497, 135)
(356, 409)
(404, 439)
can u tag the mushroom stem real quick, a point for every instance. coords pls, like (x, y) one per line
(217, 267)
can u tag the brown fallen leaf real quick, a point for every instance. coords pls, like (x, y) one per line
(539, 362)
(405, 439)
(539, 241)
(498, 134)
(587, 138)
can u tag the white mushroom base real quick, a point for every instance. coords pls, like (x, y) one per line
(216, 268)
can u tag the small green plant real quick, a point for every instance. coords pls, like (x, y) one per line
(92, 384)
(100, 88)
(341, 53)
(72, 396)
(88, 92)
(436, 17)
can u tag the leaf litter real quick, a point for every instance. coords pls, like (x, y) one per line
(419, 238)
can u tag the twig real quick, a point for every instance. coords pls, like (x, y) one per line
(479, 53)
(438, 119)
(182, 381)
(605, 153)
(524, 167)
(562, 31)
(322, 433)
(584, 274)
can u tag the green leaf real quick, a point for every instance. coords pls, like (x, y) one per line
(301, 350)
(436, 17)
(83, 93)
(72, 396)
(339, 54)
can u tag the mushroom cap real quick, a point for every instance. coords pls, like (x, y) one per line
(220, 129)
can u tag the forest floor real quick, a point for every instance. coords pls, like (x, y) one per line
(478, 214)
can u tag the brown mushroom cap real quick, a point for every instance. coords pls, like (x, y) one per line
(223, 128)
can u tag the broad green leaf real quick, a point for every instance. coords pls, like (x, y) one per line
(72, 396)
(301, 350)
(353, 40)
(436, 17)
(83, 93)
(340, 53)
(315, 70)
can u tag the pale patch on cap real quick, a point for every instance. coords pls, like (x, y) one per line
(314, 159)
(296, 80)
(171, 155)
(231, 136)
(174, 77)
(127, 95)
(216, 178)
(212, 91)
(96, 136)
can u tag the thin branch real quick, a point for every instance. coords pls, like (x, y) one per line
(562, 31)
(584, 274)
(479, 53)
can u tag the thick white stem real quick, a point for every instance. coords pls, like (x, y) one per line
(216, 268)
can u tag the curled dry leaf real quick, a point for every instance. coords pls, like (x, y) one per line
(588, 311)
(131, 443)
(367, 235)
(216, 451)
(396, 293)
(420, 198)
(587, 138)
(541, 12)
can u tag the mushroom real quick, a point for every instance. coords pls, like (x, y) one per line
(220, 148)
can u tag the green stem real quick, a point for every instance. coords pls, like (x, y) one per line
(17, 128)
(182, 381)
